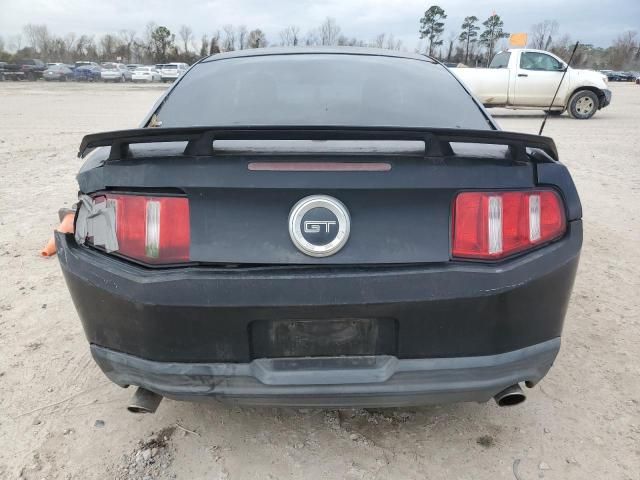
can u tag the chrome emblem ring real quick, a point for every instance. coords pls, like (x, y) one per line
(319, 225)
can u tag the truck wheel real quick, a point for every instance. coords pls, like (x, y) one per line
(583, 105)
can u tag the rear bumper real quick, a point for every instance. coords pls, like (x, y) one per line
(463, 331)
(382, 381)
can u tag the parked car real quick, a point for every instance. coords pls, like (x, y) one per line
(134, 66)
(146, 74)
(87, 73)
(58, 72)
(85, 63)
(528, 79)
(171, 71)
(24, 70)
(115, 72)
(428, 259)
(614, 76)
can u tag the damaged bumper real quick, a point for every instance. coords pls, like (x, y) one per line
(433, 333)
(360, 381)
(606, 99)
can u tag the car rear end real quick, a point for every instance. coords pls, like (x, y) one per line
(142, 75)
(111, 73)
(170, 72)
(391, 248)
(53, 73)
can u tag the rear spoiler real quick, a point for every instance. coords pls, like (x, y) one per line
(200, 139)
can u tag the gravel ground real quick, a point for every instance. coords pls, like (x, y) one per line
(61, 419)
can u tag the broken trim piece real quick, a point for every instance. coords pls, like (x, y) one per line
(98, 221)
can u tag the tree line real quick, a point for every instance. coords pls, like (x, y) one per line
(473, 43)
(159, 44)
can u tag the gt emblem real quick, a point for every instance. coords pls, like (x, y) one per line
(314, 226)
(319, 225)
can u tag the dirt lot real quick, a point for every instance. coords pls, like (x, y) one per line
(61, 418)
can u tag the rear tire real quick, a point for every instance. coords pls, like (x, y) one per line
(583, 105)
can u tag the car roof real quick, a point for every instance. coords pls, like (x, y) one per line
(259, 52)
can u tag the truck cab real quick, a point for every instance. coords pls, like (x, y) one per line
(528, 79)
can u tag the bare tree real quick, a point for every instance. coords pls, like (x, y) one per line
(624, 50)
(379, 40)
(127, 42)
(392, 43)
(542, 34)
(38, 37)
(108, 45)
(451, 43)
(257, 39)
(15, 42)
(290, 36)
(329, 32)
(186, 35)
(204, 46)
(312, 38)
(229, 40)
(242, 37)
(214, 45)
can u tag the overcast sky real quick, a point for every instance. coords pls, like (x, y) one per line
(590, 21)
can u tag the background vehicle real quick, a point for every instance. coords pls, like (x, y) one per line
(24, 70)
(134, 66)
(115, 72)
(83, 63)
(528, 79)
(614, 76)
(146, 74)
(171, 71)
(374, 240)
(58, 72)
(87, 73)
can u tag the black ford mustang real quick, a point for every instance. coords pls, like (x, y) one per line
(324, 227)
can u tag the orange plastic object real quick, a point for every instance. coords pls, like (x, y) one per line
(66, 226)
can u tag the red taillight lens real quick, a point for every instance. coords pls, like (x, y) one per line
(152, 229)
(493, 225)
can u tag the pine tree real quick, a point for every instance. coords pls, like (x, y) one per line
(492, 33)
(469, 34)
(432, 26)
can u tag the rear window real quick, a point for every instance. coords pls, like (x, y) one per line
(501, 60)
(320, 89)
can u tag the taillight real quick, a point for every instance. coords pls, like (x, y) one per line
(493, 225)
(152, 229)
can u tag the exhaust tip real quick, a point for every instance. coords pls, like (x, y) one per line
(144, 401)
(510, 396)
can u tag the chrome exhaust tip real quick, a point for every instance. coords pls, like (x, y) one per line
(144, 401)
(510, 396)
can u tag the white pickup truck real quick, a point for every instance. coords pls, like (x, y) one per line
(527, 79)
